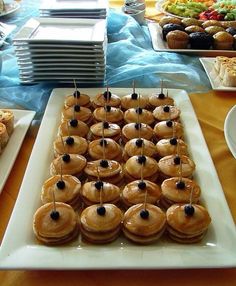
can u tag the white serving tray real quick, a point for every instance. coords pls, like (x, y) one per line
(20, 250)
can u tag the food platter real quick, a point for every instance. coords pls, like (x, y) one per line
(229, 130)
(20, 250)
(22, 122)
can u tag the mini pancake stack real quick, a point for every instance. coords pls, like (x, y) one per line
(6, 126)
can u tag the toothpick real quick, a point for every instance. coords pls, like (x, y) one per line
(103, 143)
(180, 170)
(191, 196)
(145, 199)
(62, 141)
(75, 92)
(61, 170)
(161, 85)
(138, 118)
(68, 128)
(133, 84)
(54, 201)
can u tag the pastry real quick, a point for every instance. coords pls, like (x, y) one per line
(71, 145)
(168, 129)
(105, 147)
(137, 164)
(3, 135)
(223, 41)
(77, 98)
(166, 112)
(165, 147)
(134, 100)
(187, 223)
(107, 170)
(7, 118)
(78, 112)
(134, 130)
(169, 19)
(158, 99)
(108, 113)
(90, 193)
(177, 39)
(104, 98)
(73, 127)
(101, 223)
(200, 41)
(66, 189)
(209, 23)
(55, 226)
(212, 30)
(173, 165)
(108, 130)
(219, 61)
(170, 27)
(193, 29)
(139, 115)
(139, 146)
(179, 190)
(144, 224)
(135, 192)
(229, 78)
(70, 164)
(190, 21)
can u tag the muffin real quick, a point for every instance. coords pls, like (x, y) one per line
(106, 98)
(231, 31)
(101, 223)
(177, 39)
(158, 99)
(209, 23)
(212, 30)
(66, 189)
(170, 27)
(138, 115)
(193, 29)
(223, 41)
(134, 100)
(179, 190)
(134, 130)
(166, 112)
(200, 41)
(108, 113)
(187, 223)
(7, 118)
(144, 224)
(190, 22)
(109, 130)
(168, 129)
(73, 127)
(77, 98)
(4, 137)
(90, 193)
(78, 112)
(169, 20)
(165, 147)
(55, 226)
(135, 193)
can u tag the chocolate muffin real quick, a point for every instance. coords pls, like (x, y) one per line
(200, 41)
(170, 27)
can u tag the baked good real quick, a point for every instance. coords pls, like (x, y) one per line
(200, 41)
(166, 112)
(165, 147)
(223, 41)
(107, 170)
(139, 146)
(71, 145)
(3, 135)
(170, 27)
(135, 193)
(158, 99)
(138, 115)
(144, 224)
(73, 127)
(187, 223)
(66, 189)
(193, 29)
(101, 223)
(168, 129)
(179, 190)
(77, 98)
(90, 193)
(169, 19)
(136, 165)
(55, 226)
(134, 130)
(7, 118)
(2, 6)
(134, 100)
(70, 164)
(212, 30)
(106, 98)
(229, 78)
(209, 23)
(219, 61)
(190, 21)
(173, 165)
(105, 147)
(108, 113)
(177, 39)
(108, 130)
(78, 112)
(231, 31)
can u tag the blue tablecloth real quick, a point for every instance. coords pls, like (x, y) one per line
(129, 57)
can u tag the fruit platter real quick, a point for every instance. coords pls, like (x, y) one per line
(221, 10)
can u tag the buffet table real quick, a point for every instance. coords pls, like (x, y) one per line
(211, 108)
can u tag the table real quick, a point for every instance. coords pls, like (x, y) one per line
(211, 109)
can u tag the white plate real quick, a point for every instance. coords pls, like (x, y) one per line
(10, 8)
(65, 73)
(216, 82)
(61, 5)
(229, 130)
(59, 60)
(22, 122)
(59, 65)
(6, 30)
(58, 50)
(68, 31)
(34, 56)
(20, 250)
(160, 45)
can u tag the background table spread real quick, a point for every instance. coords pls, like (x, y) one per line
(210, 107)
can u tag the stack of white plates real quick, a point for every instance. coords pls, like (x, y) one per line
(95, 9)
(52, 49)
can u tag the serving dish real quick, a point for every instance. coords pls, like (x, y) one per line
(22, 122)
(229, 130)
(20, 250)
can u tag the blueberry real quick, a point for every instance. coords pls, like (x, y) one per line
(177, 160)
(139, 142)
(173, 141)
(144, 214)
(74, 122)
(142, 159)
(61, 185)
(77, 108)
(105, 125)
(76, 94)
(66, 158)
(104, 163)
(101, 210)
(166, 108)
(137, 126)
(107, 95)
(107, 108)
(98, 185)
(70, 140)
(189, 210)
(134, 96)
(161, 96)
(54, 215)
(103, 142)
(142, 185)
(139, 110)
(180, 185)
(169, 123)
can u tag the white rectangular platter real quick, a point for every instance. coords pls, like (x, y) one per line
(22, 122)
(160, 45)
(20, 250)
